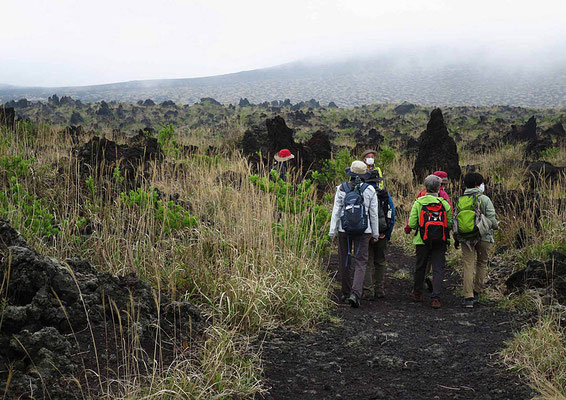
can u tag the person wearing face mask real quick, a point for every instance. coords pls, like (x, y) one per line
(375, 271)
(375, 173)
(477, 242)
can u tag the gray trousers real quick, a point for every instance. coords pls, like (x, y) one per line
(353, 268)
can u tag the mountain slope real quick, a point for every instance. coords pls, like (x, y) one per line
(394, 78)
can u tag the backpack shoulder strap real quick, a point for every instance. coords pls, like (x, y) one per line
(345, 187)
(363, 187)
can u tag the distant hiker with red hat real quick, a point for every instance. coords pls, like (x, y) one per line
(355, 220)
(280, 164)
(442, 191)
(431, 216)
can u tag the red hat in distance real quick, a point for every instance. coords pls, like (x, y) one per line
(284, 155)
(441, 174)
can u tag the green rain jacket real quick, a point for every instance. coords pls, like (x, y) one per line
(416, 212)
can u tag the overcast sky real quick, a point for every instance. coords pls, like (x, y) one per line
(74, 42)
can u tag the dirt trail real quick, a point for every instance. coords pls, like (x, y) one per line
(394, 349)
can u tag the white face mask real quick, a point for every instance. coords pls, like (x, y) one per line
(482, 188)
(370, 161)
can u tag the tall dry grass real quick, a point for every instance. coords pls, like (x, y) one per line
(234, 258)
(539, 353)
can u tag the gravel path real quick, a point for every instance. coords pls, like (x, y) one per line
(395, 349)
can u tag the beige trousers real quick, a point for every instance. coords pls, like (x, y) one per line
(475, 261)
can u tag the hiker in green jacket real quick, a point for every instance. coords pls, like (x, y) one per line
(431, 218)
(477, 240)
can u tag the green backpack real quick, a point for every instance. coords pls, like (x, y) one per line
(467, 218)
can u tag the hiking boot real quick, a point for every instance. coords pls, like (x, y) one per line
(435, 303)
(354, 301)
(428, 284)
(476, 297)
(468, 303)
(417, 298)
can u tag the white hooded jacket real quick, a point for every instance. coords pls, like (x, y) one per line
(371, 204)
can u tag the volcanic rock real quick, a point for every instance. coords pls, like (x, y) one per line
(21, 103)
(538, 274)
(276, 135)
(332, 105)
(523, 133)
(280, 136)
(148, 103)
(556, 131)
(104, 110)
(75, 132)
(168, 103)
(100, 156)
(544, 170)
(404, 108)
(536, 146)
(373, 140)
(437, 150)
(210, 100)
(66, 100)
(76, 118)
(7, 117)
(53, 100)
(317, 149)
(53, 312)
(244, 102)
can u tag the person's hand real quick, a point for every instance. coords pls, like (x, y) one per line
(373, 240)
(407, 229)
(382, 236)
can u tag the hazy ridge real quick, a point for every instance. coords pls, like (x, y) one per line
(433, 81)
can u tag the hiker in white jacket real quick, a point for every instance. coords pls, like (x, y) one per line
(353, 249)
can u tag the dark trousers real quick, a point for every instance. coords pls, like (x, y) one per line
(375, 271)
(436, 256)
(353, 268)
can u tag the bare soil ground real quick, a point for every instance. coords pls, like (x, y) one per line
(394, 349)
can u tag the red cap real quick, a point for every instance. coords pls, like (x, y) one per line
(286, 153)
(441, 174)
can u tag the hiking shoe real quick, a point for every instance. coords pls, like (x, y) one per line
(354, 301)
(476, 297)
(417, 298)
(428, 284)
(435, 303)
(468, 303)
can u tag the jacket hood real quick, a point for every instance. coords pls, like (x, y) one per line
(472, 191)
(428, 199)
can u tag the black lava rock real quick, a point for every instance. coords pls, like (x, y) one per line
(437, 150)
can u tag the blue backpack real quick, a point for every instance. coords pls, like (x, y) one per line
(354, 217)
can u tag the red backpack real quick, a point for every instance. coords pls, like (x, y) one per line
(433, 223)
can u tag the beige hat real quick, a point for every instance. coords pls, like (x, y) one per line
(357, 168)
(368, 151)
